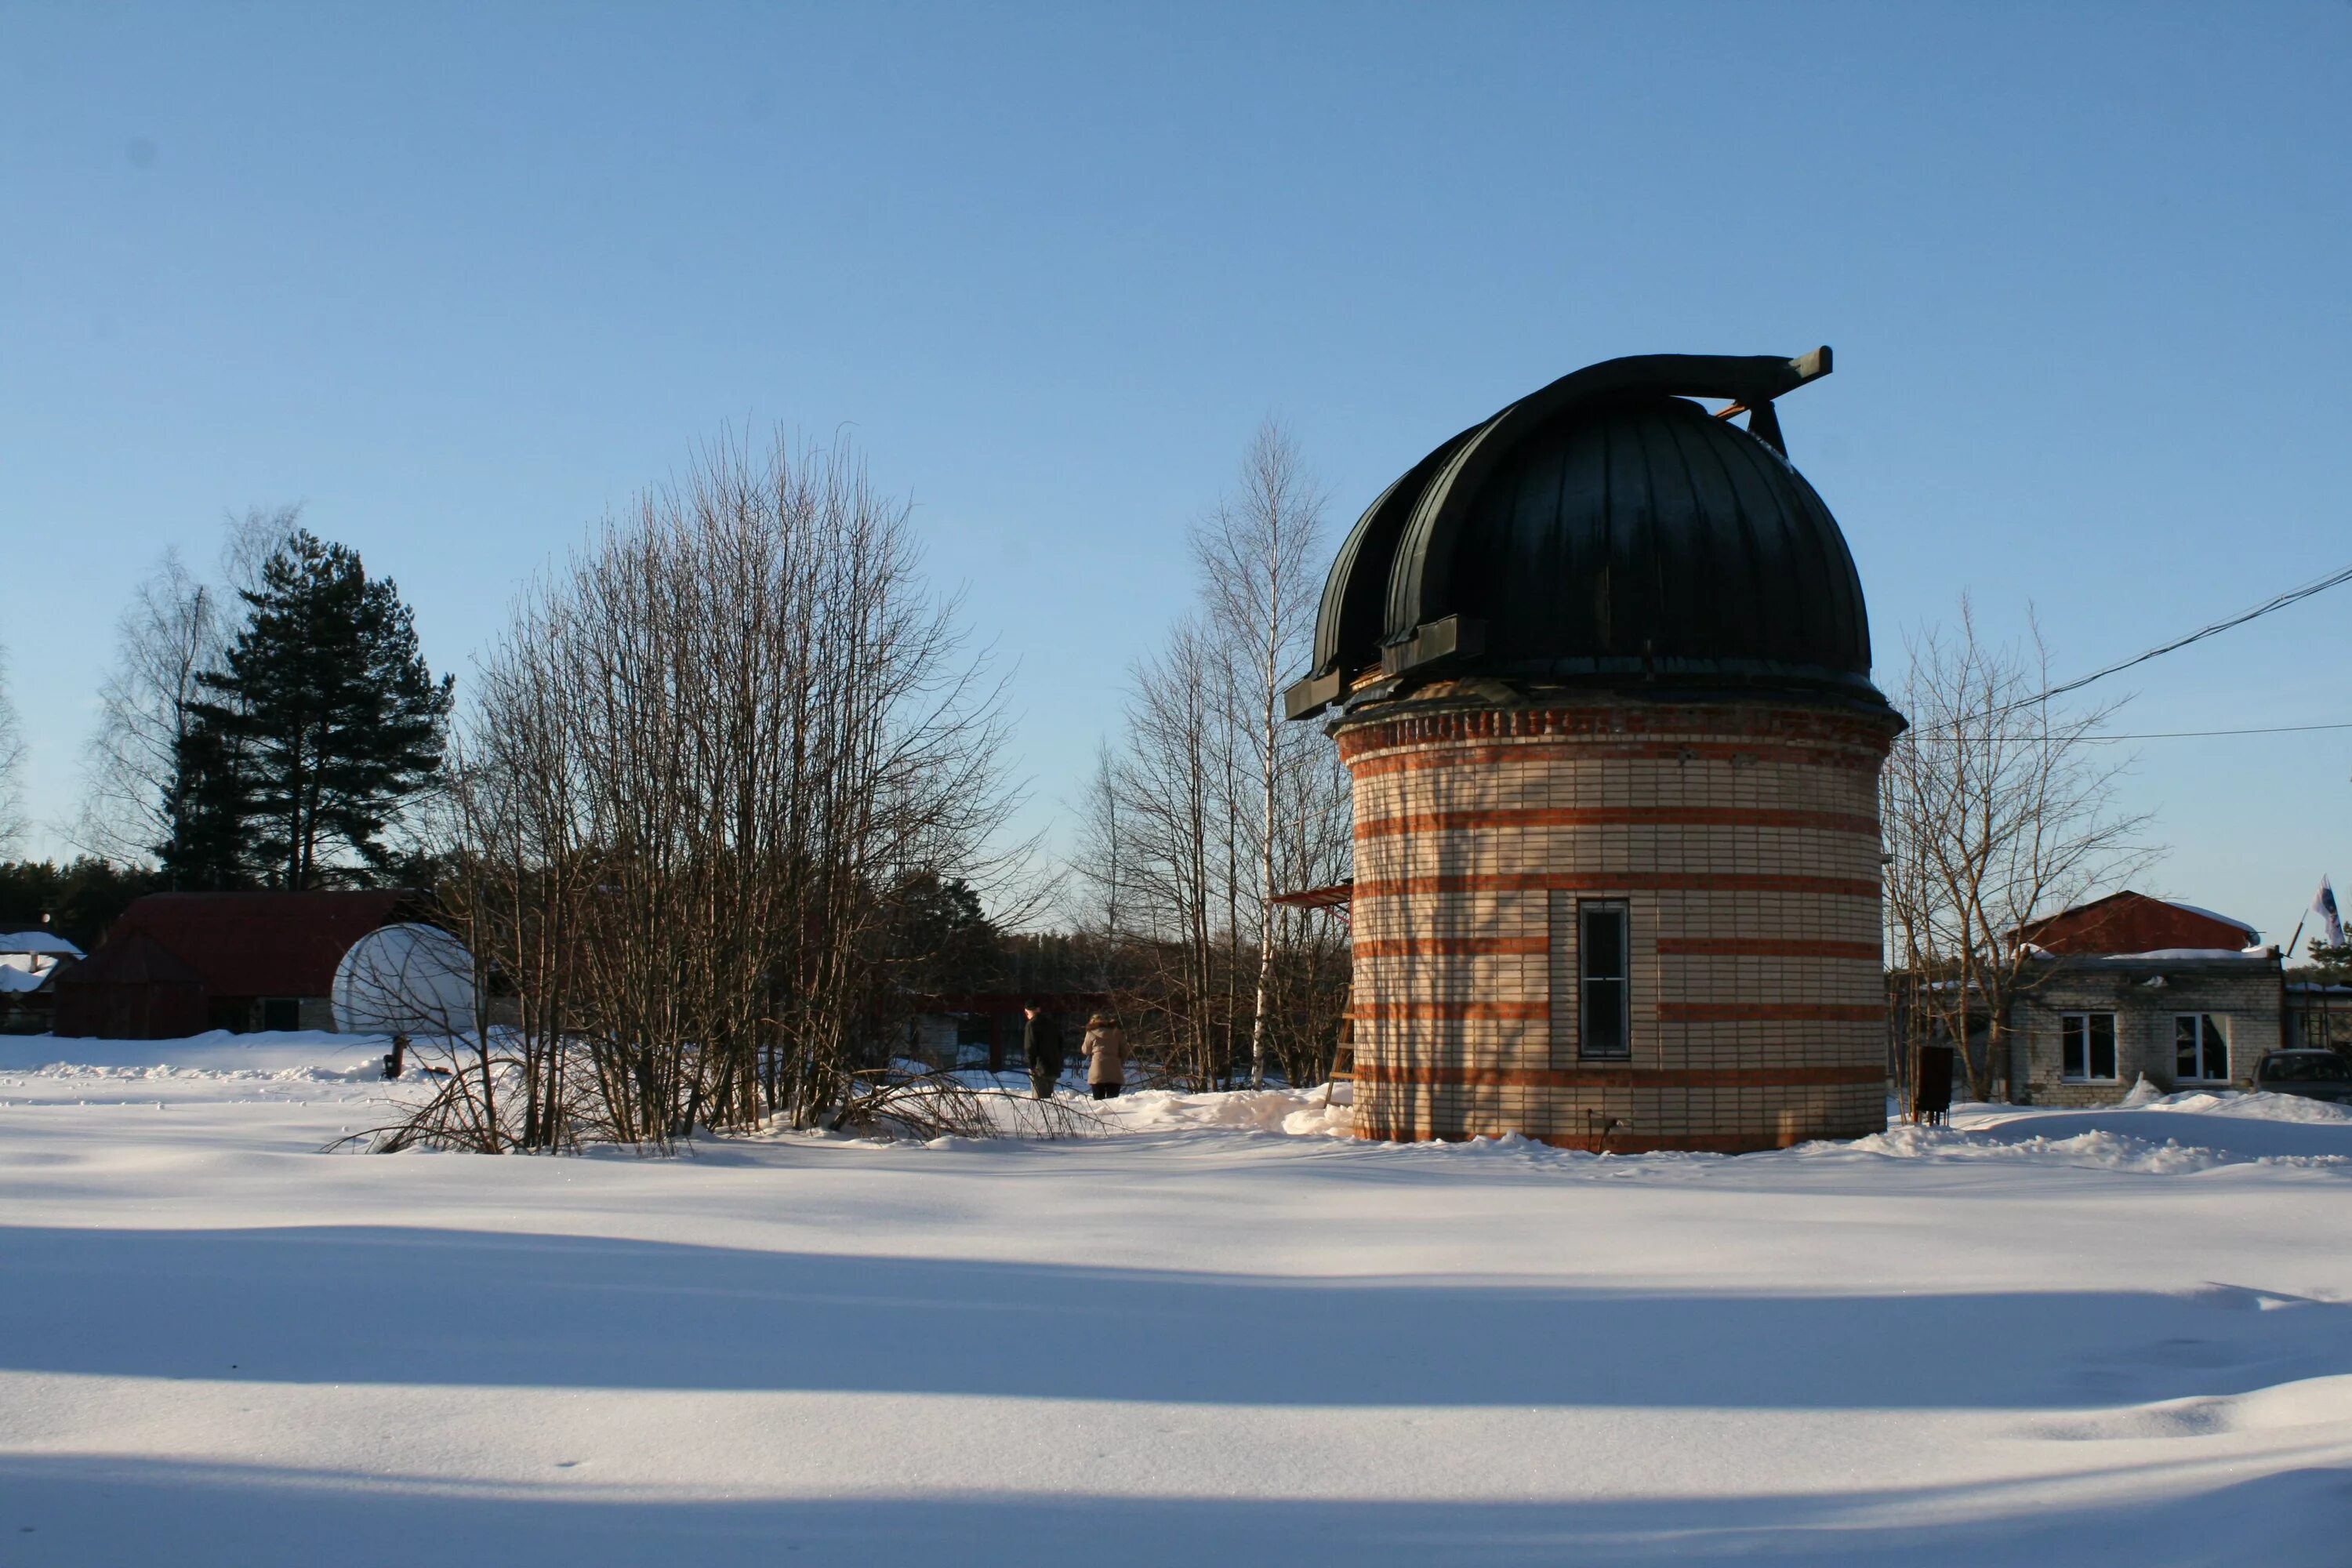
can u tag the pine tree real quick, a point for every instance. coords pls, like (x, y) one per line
(326, 716)
(2334, 964)
(203, 810)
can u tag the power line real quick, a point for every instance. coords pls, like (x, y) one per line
(2193, 734)
(2173, 734)
(2293, 595)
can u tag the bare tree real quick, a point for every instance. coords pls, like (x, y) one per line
(175, 628)
(1101, 866)
(1315, 847)
(12, 766)
(1211, 803)
(710, 757)
(1996, 809)
(1256, 554)
(170, 634)
(250, 540)
(1168, 791)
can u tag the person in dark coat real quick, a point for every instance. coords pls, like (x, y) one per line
(1041, 1041)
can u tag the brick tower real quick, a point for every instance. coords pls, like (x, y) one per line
(1600, 668)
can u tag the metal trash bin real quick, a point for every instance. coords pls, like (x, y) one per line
(1931, 1084)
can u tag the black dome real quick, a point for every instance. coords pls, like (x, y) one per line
(1604, 531)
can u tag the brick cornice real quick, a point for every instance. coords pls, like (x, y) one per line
(1625, 722)
(1853, 823)
(1615, 882)
(1368, 763)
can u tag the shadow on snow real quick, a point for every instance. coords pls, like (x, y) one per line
(398, 1305)
(66, 1510)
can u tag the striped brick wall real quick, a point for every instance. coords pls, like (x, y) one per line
(1743, 840)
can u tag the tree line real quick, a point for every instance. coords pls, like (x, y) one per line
(729, 797)
(276, 727)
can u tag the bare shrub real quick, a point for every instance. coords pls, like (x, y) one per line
(891, 1102)
(710, 757)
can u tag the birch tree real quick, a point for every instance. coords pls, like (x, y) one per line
(1259, 555)
(1211, 803)
(169, 635)
(175, 630)
(12, 765)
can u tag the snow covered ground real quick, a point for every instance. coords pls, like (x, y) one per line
(1219, 1335)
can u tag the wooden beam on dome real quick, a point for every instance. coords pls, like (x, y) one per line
(1763, 419)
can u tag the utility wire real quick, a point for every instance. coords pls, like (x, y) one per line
(2283, 600)
(2193, 734)
(2292, 595)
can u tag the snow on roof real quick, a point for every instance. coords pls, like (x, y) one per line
(15, 980)
(2211, 915)
(2180, 953)
(46, 943)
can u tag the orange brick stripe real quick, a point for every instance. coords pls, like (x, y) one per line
(1393, 1012)
(1619, 815)
(1769, 1013)
(1588, 750)
(1448, 946)
(1617, 1077)
(1616, 882)
(1765, 947)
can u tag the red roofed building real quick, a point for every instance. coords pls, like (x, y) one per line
(2129, 987)
(2133, 922)
(179, 963)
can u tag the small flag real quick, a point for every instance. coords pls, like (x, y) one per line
(2324, 907)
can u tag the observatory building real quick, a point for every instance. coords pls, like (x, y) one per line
(1600, 668)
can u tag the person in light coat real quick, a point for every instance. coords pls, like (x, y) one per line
(1105, 1048)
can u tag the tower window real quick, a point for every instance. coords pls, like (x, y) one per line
(1604, 981)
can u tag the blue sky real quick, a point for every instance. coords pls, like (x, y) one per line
(462, 278)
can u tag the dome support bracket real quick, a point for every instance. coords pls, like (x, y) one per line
(1433, 640)
(1762, 423)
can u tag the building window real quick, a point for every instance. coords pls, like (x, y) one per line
(281, 1012)
(2086, 1046)
(2200, 1046)
(1603, 974)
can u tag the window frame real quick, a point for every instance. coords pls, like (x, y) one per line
(2219, 1023)
(2088, 1037)
(1587, 980)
